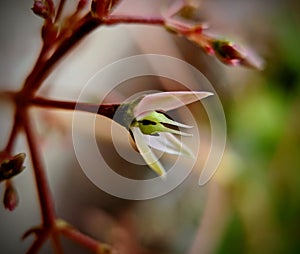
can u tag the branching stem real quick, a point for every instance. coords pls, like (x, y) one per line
(41, 72)
(51, 53)
(84, 240)
(37, 244)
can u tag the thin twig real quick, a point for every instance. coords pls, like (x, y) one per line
(60, 9)
(13, 134)
(85, 240)
(85, 26)
(7, 95)
(107, 110)
(36, 78)
(56, 243)
(44, 193)
(118, 19)
(38, 242)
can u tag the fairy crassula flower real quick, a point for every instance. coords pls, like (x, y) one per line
(146, 120)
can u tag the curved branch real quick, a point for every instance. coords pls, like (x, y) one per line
(40, 72)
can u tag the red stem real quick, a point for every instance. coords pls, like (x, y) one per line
(44, 193)
(84, 240)
(39, 73)
(56, 243)
(43, 67)
(13, 134)
(87, 24)
(60, 9)
(117, 19)
(107, 110)
(37, 244)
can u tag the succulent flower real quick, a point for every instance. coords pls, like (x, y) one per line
(144, 117)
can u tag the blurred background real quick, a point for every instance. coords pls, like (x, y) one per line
(252, 204)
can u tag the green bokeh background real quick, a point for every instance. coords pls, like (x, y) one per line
(264, 131)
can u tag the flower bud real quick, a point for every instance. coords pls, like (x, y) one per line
(228, 52)
(44, 8)
(12, 167)
(10, 199)
(231, 54)
(101, 8)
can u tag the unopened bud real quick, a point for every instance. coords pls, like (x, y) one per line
(231, 54)
(11, 167)
(228, 52)
(44, 8)
(10, 199)
(101, 8)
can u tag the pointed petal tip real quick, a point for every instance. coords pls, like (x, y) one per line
(202, 95)
(163, 176)
(185, 151)
(158, 168)
(190, 154)
(189, 126)
(184, 134)
(202, 182)
(180, 133)
(172, 122)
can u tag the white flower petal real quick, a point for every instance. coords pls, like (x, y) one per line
(161, 143)
(169, 121)
(167, 142)
(165, 101)
(146, 152)
(169, 130)
(183, 148)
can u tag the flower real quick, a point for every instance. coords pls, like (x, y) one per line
(144, 117)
